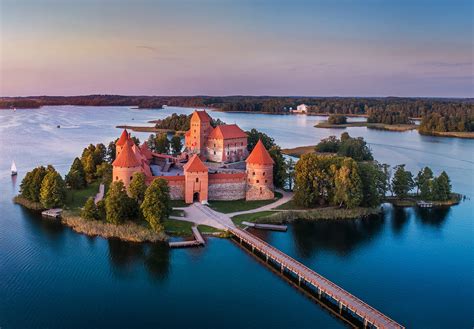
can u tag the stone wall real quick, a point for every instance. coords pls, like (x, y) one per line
(176, 185)
(227, 186)
(259, 193)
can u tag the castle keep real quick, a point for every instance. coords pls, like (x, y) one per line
(215, 164)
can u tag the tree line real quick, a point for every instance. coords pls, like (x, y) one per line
(344, 174)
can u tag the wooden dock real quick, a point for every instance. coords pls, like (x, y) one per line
(54, 213)
(305, 276)
(271, 227)
(198, 240)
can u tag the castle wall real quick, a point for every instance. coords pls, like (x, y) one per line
(259, 182)
(227, 150)
(176, 185)
(227, 186)
(124, 174)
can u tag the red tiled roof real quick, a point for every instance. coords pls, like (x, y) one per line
(195, 165)
(201, 115)
(146, 150)
(260, 155)
(123, 138)
(126, 158)
(227, 132)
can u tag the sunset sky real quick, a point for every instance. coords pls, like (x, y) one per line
(228, 47)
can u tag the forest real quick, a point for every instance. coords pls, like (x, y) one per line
(437, 114)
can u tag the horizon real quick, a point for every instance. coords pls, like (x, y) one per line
(373, 49)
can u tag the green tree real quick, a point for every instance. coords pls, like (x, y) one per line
(176, 144)
(89, 211)
(347, 184)
(374, 183)
(116, 203)
(104, 172)
(53, 190)
(424, 175)
(355, 148)
(99, 154)
(402, 181)
(76, 178)
(101, 211)
(337, 119)
(328, 145)
(442, 187)
(279, 167)
(156, 205)
(137, 187)
(254, 135)
(162, 144)
(31, 184)
(110, 154)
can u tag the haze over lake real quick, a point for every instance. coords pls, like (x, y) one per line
(415, 266)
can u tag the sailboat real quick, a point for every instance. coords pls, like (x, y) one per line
(14, 171)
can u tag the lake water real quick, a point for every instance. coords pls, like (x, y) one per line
(415, 266)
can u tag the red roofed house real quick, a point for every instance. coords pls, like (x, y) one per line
(194, 180)
(224, 143)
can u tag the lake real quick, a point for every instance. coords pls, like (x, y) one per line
(415, 266)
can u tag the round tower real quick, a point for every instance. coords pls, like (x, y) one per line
(259, 174)
(125, 164)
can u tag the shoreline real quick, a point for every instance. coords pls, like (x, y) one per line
(379, 126)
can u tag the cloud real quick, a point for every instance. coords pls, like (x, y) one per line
(445, 64)
(149, 48)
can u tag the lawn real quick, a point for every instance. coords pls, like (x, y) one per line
(253, 217)
(178, 204)
(178, 227)
(227, 207)
(208, 229)
(75, 199)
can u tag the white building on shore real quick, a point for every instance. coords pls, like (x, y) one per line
(301, 109)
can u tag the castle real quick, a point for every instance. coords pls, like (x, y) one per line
(212, 166)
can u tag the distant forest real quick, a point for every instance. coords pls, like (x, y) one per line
(437, 114)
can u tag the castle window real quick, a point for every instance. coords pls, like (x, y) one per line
(116, 177)
(197, 180)
(261, 191)
(131, 177)
(265, 180)
(263, 173)
(214, 145)
(258, 181)
(214, 152)
(253, 174)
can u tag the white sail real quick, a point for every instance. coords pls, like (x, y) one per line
(14, 167)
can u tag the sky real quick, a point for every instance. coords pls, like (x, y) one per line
(421, 48)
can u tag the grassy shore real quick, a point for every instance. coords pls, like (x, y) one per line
(75, 199)
(412, 200)
(379, 126)
(128, 231)
(227, 207)
(457, 134)
(298, 151)
(256, 217)
(27, 203)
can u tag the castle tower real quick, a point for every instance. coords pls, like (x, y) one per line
(124, 138)
(125, 164)
(196, 136)
(196, 180)
(259, 174)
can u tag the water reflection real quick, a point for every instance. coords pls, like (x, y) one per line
(341, 236)
(52, 228)
(435, 217)
(124, 257)
(400, 218)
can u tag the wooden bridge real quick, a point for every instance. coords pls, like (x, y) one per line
(305, 277)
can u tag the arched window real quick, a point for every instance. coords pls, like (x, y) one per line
(197, 180)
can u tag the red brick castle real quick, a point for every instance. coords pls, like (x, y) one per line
(212, 167)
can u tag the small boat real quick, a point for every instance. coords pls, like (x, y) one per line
(14, 109)
(14, 171)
